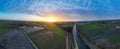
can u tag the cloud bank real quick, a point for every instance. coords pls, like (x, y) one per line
(74, 9)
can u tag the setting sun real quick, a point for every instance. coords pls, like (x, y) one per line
(51, 17)
(51, 20)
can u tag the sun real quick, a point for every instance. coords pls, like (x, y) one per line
(51, 20)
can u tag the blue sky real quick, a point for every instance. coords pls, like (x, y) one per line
(71, 9)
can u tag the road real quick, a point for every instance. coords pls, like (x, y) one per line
(80, 44)
(67, 47)
(15, 39)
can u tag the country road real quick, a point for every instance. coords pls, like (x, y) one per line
(67, 47)
(15, 39)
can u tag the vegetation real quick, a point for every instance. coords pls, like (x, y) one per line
(66, 26)
(4, 27)
(114, 39)
(92, 30)
(51, 38)
(52, 27)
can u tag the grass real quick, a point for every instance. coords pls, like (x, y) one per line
(3, 31)
(48, 41)
(114, 39)
(92, 30)
(56, 29)
(4, 27)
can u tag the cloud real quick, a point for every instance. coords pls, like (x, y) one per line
(84, 9)
(52, 5)
(41, 6)
(18, 16)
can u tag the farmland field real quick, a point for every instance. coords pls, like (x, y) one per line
(92, 30)
(52, 37)
(4, 27)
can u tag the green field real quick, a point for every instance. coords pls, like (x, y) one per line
(92, 30)
(114, 39)
(4, 27)
(53, 40)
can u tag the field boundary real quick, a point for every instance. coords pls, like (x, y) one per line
(30, 40)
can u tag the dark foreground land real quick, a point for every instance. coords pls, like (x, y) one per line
(57, 35)
(51, 37)
(15, 39)
(44, 36)
(103, 35)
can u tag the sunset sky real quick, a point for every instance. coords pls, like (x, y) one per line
(62, 10)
